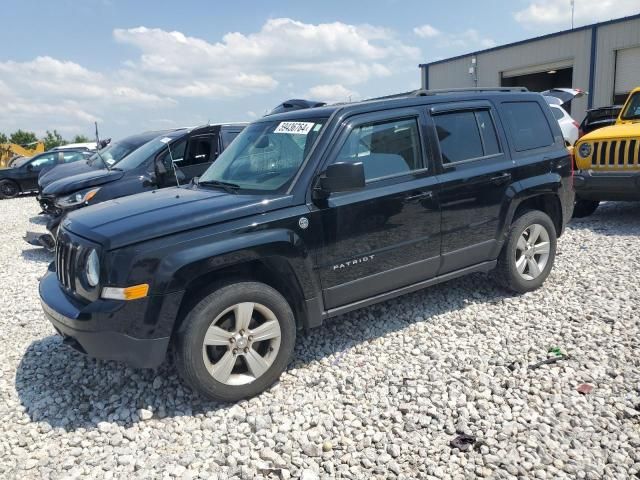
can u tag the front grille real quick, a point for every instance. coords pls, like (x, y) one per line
(613, 154)
(66, 262)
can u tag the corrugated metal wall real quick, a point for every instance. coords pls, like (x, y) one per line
(612, 37)
(572, 47)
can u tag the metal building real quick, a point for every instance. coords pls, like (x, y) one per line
(603, 58)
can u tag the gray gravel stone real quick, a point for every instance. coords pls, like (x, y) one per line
(388, 386)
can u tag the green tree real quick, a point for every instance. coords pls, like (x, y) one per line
(52, 140)
(80, 139)
(23, 138)
(3, 138)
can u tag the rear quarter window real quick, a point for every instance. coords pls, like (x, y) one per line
(528, 125)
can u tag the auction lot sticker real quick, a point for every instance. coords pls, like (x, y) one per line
(297, 128)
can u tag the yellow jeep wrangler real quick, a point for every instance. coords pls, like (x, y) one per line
(608, 161)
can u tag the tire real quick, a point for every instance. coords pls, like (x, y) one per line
(515, 270)
(9, 189)
(196, 363)
(584, 208)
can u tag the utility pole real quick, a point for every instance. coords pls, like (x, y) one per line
(573, 7)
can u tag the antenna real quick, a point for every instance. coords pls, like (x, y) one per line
(98, 148)
(573, 7)
(173, 165)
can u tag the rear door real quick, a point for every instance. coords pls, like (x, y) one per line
(476, 175)
(386, 235)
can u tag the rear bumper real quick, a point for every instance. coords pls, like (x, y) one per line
(102, 329)
(615, 186)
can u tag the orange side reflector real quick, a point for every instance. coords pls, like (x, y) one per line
(135, 292)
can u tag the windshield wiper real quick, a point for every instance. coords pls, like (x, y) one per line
(226, 186)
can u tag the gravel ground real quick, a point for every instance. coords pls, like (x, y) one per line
(378, 393)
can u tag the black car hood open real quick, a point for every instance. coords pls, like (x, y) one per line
(67, 170)
(144, 216)
(81, 181)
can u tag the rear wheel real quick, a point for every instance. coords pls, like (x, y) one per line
(9, 189)
(528, 255)
(584, 208)
(236, 342)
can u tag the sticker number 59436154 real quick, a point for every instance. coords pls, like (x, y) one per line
(298, 128)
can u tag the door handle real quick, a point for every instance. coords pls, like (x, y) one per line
(419, 196)
(502, 178)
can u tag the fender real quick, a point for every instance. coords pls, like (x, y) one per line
(549, 183)
(177, 270)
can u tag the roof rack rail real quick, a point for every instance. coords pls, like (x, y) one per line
(423, 92)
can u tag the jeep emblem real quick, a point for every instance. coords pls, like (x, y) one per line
(303, 223)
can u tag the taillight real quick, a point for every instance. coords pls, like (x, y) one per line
(577, 125)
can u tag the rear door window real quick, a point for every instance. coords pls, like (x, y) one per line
(466, 135)
(528, 124)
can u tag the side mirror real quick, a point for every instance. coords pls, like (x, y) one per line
(30, 167)
(341, 177)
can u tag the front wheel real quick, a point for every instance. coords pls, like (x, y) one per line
(584, 208)
(528, 254)
(236, 342)
(8, 189)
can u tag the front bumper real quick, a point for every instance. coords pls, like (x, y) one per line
(614, 186)
(107, 329)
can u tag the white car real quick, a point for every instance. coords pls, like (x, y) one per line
(568, 125)
(86, 146)
(558, 98)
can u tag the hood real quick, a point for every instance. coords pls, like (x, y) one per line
(81, 181)
(66, 170)
(627, 130)
(141, 217)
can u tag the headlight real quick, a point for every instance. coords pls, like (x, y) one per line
(77, 198)
(585, 150)
(92, 268)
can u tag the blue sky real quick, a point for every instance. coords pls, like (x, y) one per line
(138, 65)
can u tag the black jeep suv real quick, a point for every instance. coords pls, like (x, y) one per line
(307, 215)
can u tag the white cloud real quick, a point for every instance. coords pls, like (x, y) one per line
(555, 13)
(332, 93)
(469, 39)
(241, 64)
(426, 31)
(170, 68)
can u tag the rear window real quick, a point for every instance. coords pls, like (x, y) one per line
(528, 125)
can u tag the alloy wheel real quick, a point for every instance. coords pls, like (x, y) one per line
(241, 343)
(532, 251)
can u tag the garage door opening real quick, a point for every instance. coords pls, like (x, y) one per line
(541, 81)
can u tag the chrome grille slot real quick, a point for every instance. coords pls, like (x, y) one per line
(66, 259)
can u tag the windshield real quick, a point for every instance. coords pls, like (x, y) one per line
(632, 112)
(112, 154)
(146, 151)
(266, 155)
